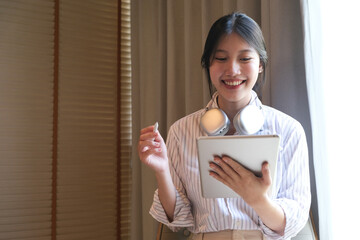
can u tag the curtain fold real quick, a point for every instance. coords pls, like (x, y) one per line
(312, 51)
(168, 81)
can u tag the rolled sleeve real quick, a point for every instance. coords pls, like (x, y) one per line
(296, 218)
(182, 212)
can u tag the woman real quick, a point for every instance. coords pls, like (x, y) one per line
(234, 59)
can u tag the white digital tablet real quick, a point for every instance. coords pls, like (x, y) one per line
(250, 151)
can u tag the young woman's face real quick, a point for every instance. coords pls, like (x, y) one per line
(234, 70)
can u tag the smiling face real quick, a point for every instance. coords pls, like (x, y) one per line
(234, 70)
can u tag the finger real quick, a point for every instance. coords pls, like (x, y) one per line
(147, 129)
(149, 147)
(218, 173)
(223, 170)
(148, 136)
(144, 146)
(152, 136)
(159, 138)
(216, 169)
(237, 168)
(217, 177)
(265, 170)
(145, 157)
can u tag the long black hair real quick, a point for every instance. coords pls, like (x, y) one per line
(246, 28)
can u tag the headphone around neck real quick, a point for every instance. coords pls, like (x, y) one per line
(247, 121)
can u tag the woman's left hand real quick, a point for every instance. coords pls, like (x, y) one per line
(251, 188)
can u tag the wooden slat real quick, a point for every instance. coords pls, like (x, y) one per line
(87, 127)
(26, 96)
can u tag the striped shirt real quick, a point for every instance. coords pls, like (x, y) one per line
(199, 215)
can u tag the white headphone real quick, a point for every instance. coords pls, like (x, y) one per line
(247, 121)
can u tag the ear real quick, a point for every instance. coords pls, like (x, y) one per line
(261, 69)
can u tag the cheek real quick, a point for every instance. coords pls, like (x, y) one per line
(215, 72)
(252, 70)
(212, 75)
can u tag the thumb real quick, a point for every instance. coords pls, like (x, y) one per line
(265, 170)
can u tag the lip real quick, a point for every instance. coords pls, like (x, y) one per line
(233, 83)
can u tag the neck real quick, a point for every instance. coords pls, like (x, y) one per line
(232, 108)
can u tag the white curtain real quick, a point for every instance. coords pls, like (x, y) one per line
(168, 81)
(331, 53)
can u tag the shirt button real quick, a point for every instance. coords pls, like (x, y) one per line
(186, 233)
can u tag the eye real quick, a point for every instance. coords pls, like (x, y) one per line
(245, 59)
(221, 59)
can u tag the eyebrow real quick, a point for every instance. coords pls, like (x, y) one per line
(241, 51)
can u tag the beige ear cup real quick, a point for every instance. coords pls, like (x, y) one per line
(249, 120)
(215, 122)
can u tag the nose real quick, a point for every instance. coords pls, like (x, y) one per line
(233, 68)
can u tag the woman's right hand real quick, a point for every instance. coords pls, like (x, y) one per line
(153, 153)
(152, 150)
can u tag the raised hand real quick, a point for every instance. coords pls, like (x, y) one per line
(152, 150)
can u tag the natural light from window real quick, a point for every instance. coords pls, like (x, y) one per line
(341, 82)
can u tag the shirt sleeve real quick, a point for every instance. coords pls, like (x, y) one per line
(183, 216)
(294, 195)
(182, 213)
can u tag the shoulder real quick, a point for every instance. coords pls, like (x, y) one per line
(279, 117)
(188, 120)
(282, 123)
(187, 126)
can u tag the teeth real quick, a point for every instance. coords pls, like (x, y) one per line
(233, 83)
